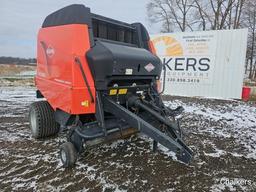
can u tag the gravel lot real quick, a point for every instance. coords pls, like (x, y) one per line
(222, 135)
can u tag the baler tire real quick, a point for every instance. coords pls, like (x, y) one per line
(42, 122)
(68, 154)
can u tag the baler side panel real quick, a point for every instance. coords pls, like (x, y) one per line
(58, 76)
(81, 44)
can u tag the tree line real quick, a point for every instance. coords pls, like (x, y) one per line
(194, 15)
(17, 60)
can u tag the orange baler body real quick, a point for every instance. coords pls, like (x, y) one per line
(59, 77)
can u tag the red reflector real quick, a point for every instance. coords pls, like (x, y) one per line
(152, 47)
(158, 86)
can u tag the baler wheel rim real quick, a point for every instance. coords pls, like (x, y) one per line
(68, 154)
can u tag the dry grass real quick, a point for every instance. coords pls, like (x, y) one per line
(9, 74)
(9, 70)
(14, 82)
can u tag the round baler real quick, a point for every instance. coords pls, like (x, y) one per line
(99, 79)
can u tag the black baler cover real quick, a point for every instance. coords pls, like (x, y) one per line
(72, 14)
(99, 26)
(109, 61)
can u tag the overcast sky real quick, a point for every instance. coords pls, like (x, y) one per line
(21, 19)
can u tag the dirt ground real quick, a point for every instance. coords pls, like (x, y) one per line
(222, 135)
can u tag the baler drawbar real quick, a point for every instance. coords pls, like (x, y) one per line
(100, 81)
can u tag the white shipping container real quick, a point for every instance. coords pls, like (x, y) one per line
(206, 63)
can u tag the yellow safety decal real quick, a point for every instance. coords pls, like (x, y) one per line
(122, 91)
(85, 103)
(113, 92)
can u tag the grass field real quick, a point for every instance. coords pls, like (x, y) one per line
(16, 75)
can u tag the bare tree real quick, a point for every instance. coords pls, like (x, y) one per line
(189, 15)
(234, 15)
(173, 14)
(201, 14)
(158, 13)
(249, 21)
(196, 14)
(238, 12)
(217, 14)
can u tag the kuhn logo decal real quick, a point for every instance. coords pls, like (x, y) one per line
(50, 51)
(149, 67)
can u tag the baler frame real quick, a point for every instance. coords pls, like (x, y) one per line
(106, 88)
